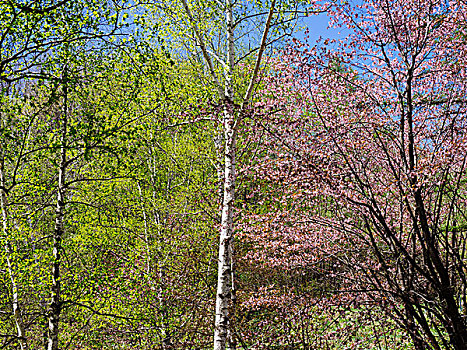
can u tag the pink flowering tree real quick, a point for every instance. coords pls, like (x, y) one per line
(359, 176)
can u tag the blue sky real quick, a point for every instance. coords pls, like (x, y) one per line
(318, 27)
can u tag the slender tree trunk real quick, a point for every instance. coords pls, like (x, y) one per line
(55, 302)
(222, 327)
(14, 287)
(166, 342)
(224, 278)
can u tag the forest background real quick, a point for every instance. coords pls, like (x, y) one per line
(199, 174)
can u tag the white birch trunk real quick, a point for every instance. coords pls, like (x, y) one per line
(55, 306)
(223, 336)
(14, 288)
(165, 334)
(224, 277)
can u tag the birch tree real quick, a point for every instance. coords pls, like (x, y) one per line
(224, 34)
(57, 236)
(225, 280)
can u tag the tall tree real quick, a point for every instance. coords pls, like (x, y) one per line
(372, 150)
(213, 32)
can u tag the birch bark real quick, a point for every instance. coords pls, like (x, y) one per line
(14, 287)
(222, 331)
(55, 306)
